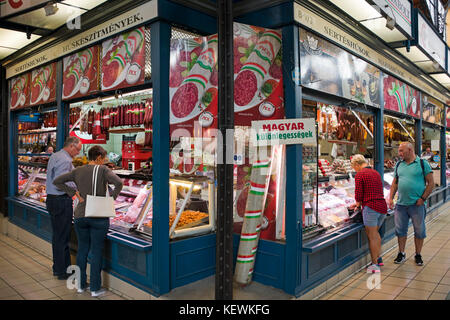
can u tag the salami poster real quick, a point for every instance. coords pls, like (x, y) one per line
(258, 83)
(433, 110)
(123, 60)
(193, 85)
(19, 93)
(400, 97)
(43, 84)
(326, 67)
(80, 73)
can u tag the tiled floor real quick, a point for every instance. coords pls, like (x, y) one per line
(27, 275)
(406, 281)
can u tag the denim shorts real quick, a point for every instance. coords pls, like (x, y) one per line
(417, 215)
(372, 218)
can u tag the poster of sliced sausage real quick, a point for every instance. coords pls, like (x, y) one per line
(43, 84)
(193, 85)
(19, 93)
(80, 73)
(433, 110)
(123, 60)
(258, 83)
(400, 97)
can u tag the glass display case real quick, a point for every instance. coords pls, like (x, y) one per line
(36, 140)
(192, 209)
(395, 131)
(31, 184)
(328, 179)
(431, 150)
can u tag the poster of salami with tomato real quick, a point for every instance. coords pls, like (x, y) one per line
(123, 60)
(19, 93)
(80, 73)
(193, 85)
(43, 84)
(258, 83)
(400, 97)
(448, 117)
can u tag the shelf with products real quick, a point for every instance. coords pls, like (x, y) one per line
(122, 124)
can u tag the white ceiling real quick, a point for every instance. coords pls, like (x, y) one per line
(11, 40)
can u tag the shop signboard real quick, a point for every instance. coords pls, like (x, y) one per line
(193, 81)
(123, 60)
(400, 97)
(328, 68)
(284, 131)
(8, 7)
(433, 110)
(430, 41)
(43, 84)
(80, 73)
(377, 57)
(129, 19)
(19, 91)
(400, 10)
(258, 82)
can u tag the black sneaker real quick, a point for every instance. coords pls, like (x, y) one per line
(418, 259)
(401, 257)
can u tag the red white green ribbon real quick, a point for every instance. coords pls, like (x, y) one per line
(253, 214)
(249, 236)
(259, 69)
(245, 259)
(198, 78)
(261, 164)
(257, 189)
(121, 59)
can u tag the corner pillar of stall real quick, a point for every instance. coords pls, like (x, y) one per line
(279, 264)
(4, 116)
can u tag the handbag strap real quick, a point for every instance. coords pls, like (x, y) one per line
(94, 180)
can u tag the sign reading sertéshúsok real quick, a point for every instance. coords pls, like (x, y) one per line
(284, 131)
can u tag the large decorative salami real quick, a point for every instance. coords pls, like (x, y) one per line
(43, 84)
(258, 86)
(80, 73)
(123, 60)
(19, 96)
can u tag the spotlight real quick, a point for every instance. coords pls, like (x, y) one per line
(390, 23)
(51, 8)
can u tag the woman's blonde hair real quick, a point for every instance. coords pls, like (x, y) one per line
(358, 159)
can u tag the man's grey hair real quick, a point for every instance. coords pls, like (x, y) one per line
(408, 145)
(71, 140)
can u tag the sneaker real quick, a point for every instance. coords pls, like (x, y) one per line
(401, 257)
(380, 262)
(373, 268)
(81, 290)
(418, 259)
(98, 293)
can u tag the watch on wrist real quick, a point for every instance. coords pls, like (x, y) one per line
(423, 198)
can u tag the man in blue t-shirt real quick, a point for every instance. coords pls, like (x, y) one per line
(414, 185)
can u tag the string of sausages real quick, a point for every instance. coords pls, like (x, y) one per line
(135, 114)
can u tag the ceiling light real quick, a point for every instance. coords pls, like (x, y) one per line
(436, 65)
(390, 23)
(51, 8)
